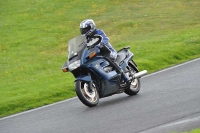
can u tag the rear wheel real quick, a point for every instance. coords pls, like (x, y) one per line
(134, 87)
(89, 97)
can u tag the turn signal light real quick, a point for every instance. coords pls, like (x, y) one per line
(92, 54)
(64, 70)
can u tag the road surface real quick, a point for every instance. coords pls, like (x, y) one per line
(169, 101)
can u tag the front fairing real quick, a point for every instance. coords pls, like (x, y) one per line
(107, 81)
(92, 66)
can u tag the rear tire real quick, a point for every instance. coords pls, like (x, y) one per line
(88, 97)
(134, 87)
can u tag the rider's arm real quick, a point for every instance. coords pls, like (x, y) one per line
(105, 39)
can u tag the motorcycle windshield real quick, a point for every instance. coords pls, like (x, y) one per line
(75, 45)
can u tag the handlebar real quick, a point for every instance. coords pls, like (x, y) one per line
(93, 41)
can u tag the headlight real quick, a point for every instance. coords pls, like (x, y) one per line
(74, 65)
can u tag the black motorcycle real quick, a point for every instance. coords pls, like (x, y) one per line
(96, 75)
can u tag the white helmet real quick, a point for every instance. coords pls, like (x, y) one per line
(87, 27)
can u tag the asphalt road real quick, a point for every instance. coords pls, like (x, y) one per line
(169, 101)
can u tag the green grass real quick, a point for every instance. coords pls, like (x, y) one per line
(193, 131)
(34, 36)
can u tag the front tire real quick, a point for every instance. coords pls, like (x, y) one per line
(88, 97)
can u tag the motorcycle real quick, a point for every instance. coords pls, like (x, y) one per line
(96, 75)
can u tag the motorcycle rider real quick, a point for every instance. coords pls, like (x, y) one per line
(88, 28)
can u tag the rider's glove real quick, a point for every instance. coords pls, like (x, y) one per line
(88, 39)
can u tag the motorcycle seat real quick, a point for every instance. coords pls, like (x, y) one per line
(120, 57)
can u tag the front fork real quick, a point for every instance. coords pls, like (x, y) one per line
(86, 78)
(90, 84)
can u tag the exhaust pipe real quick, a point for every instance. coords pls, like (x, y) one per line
(140, 74)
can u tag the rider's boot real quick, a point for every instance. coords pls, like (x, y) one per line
(124, 77)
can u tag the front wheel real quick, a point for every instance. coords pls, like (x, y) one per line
(89, 97)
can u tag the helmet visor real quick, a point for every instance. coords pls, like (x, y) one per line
(84, 30)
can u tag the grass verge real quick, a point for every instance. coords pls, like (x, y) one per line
(193, 131)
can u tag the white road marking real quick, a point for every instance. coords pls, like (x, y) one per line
(37, 108)
(166, 69)
(182, 122)
(162, 128)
